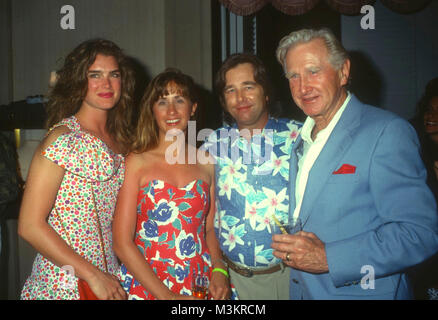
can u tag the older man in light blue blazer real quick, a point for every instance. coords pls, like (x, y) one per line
(358, 184)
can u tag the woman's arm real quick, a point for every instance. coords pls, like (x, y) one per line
(39, 196)
(219, 286)
(124, 226)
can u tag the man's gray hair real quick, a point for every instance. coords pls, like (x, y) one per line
(337, 53)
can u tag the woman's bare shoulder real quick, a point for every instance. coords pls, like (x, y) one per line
(139, 161)
(53, 135)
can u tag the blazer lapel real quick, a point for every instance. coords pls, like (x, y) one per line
(293, 170)
(330, 157)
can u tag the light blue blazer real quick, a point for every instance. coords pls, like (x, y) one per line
(374, 222)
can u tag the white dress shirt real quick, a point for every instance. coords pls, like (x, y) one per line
(311, 151)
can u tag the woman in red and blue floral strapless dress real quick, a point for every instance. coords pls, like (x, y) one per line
(163, 226)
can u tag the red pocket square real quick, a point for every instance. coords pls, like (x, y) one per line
(345, 169)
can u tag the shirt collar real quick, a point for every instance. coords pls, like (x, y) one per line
(306, 131)
(269, 125)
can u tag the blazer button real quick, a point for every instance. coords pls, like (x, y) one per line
(295, 281)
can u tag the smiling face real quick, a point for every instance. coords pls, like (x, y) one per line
(431, 117)
(244, 98)
(316, 87)
(173, 110)
(104, 83)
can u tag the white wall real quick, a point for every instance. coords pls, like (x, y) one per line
(39, 44)
(157, 33)
(188, 39)
(5, 94)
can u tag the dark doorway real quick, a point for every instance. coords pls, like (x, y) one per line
(261, 34)
(272, 25)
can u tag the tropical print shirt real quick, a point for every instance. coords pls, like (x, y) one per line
(252, 184)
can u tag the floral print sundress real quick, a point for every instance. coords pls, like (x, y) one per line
(91, 168)
(170, 233)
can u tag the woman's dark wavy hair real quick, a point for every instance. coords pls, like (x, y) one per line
(429, 151)
(430, 92)
(146, 133)
(260, 76)
(67, 96)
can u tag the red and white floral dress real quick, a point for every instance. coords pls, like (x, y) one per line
(170, 233)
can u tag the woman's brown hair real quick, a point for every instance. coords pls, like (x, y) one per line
(66, 97)
(146, 133)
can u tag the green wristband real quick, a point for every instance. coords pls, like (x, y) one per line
(225, 272)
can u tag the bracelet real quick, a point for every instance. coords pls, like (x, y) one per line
(223, 271)
(213, 262)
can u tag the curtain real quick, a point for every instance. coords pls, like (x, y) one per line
(298, 7)
(405, 6)
(348, 7)
(295, 7)
(244, 7)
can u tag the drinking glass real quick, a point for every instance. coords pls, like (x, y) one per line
(200, 284)
(290, 225)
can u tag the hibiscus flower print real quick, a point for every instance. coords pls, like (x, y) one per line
(290, 136)
(185, 245)
(149, 230)
(251, 213)
(234, 236)
(164, 212)
(231, 170)
(181, 273)
(224, 189)
(274, 201)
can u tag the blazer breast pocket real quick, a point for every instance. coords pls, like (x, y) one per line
(346, 173)
(344, 178)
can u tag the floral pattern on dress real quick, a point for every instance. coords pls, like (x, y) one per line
(252, 185)
(92, 169)
(170, 234)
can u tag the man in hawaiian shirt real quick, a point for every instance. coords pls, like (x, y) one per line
(252, 178)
